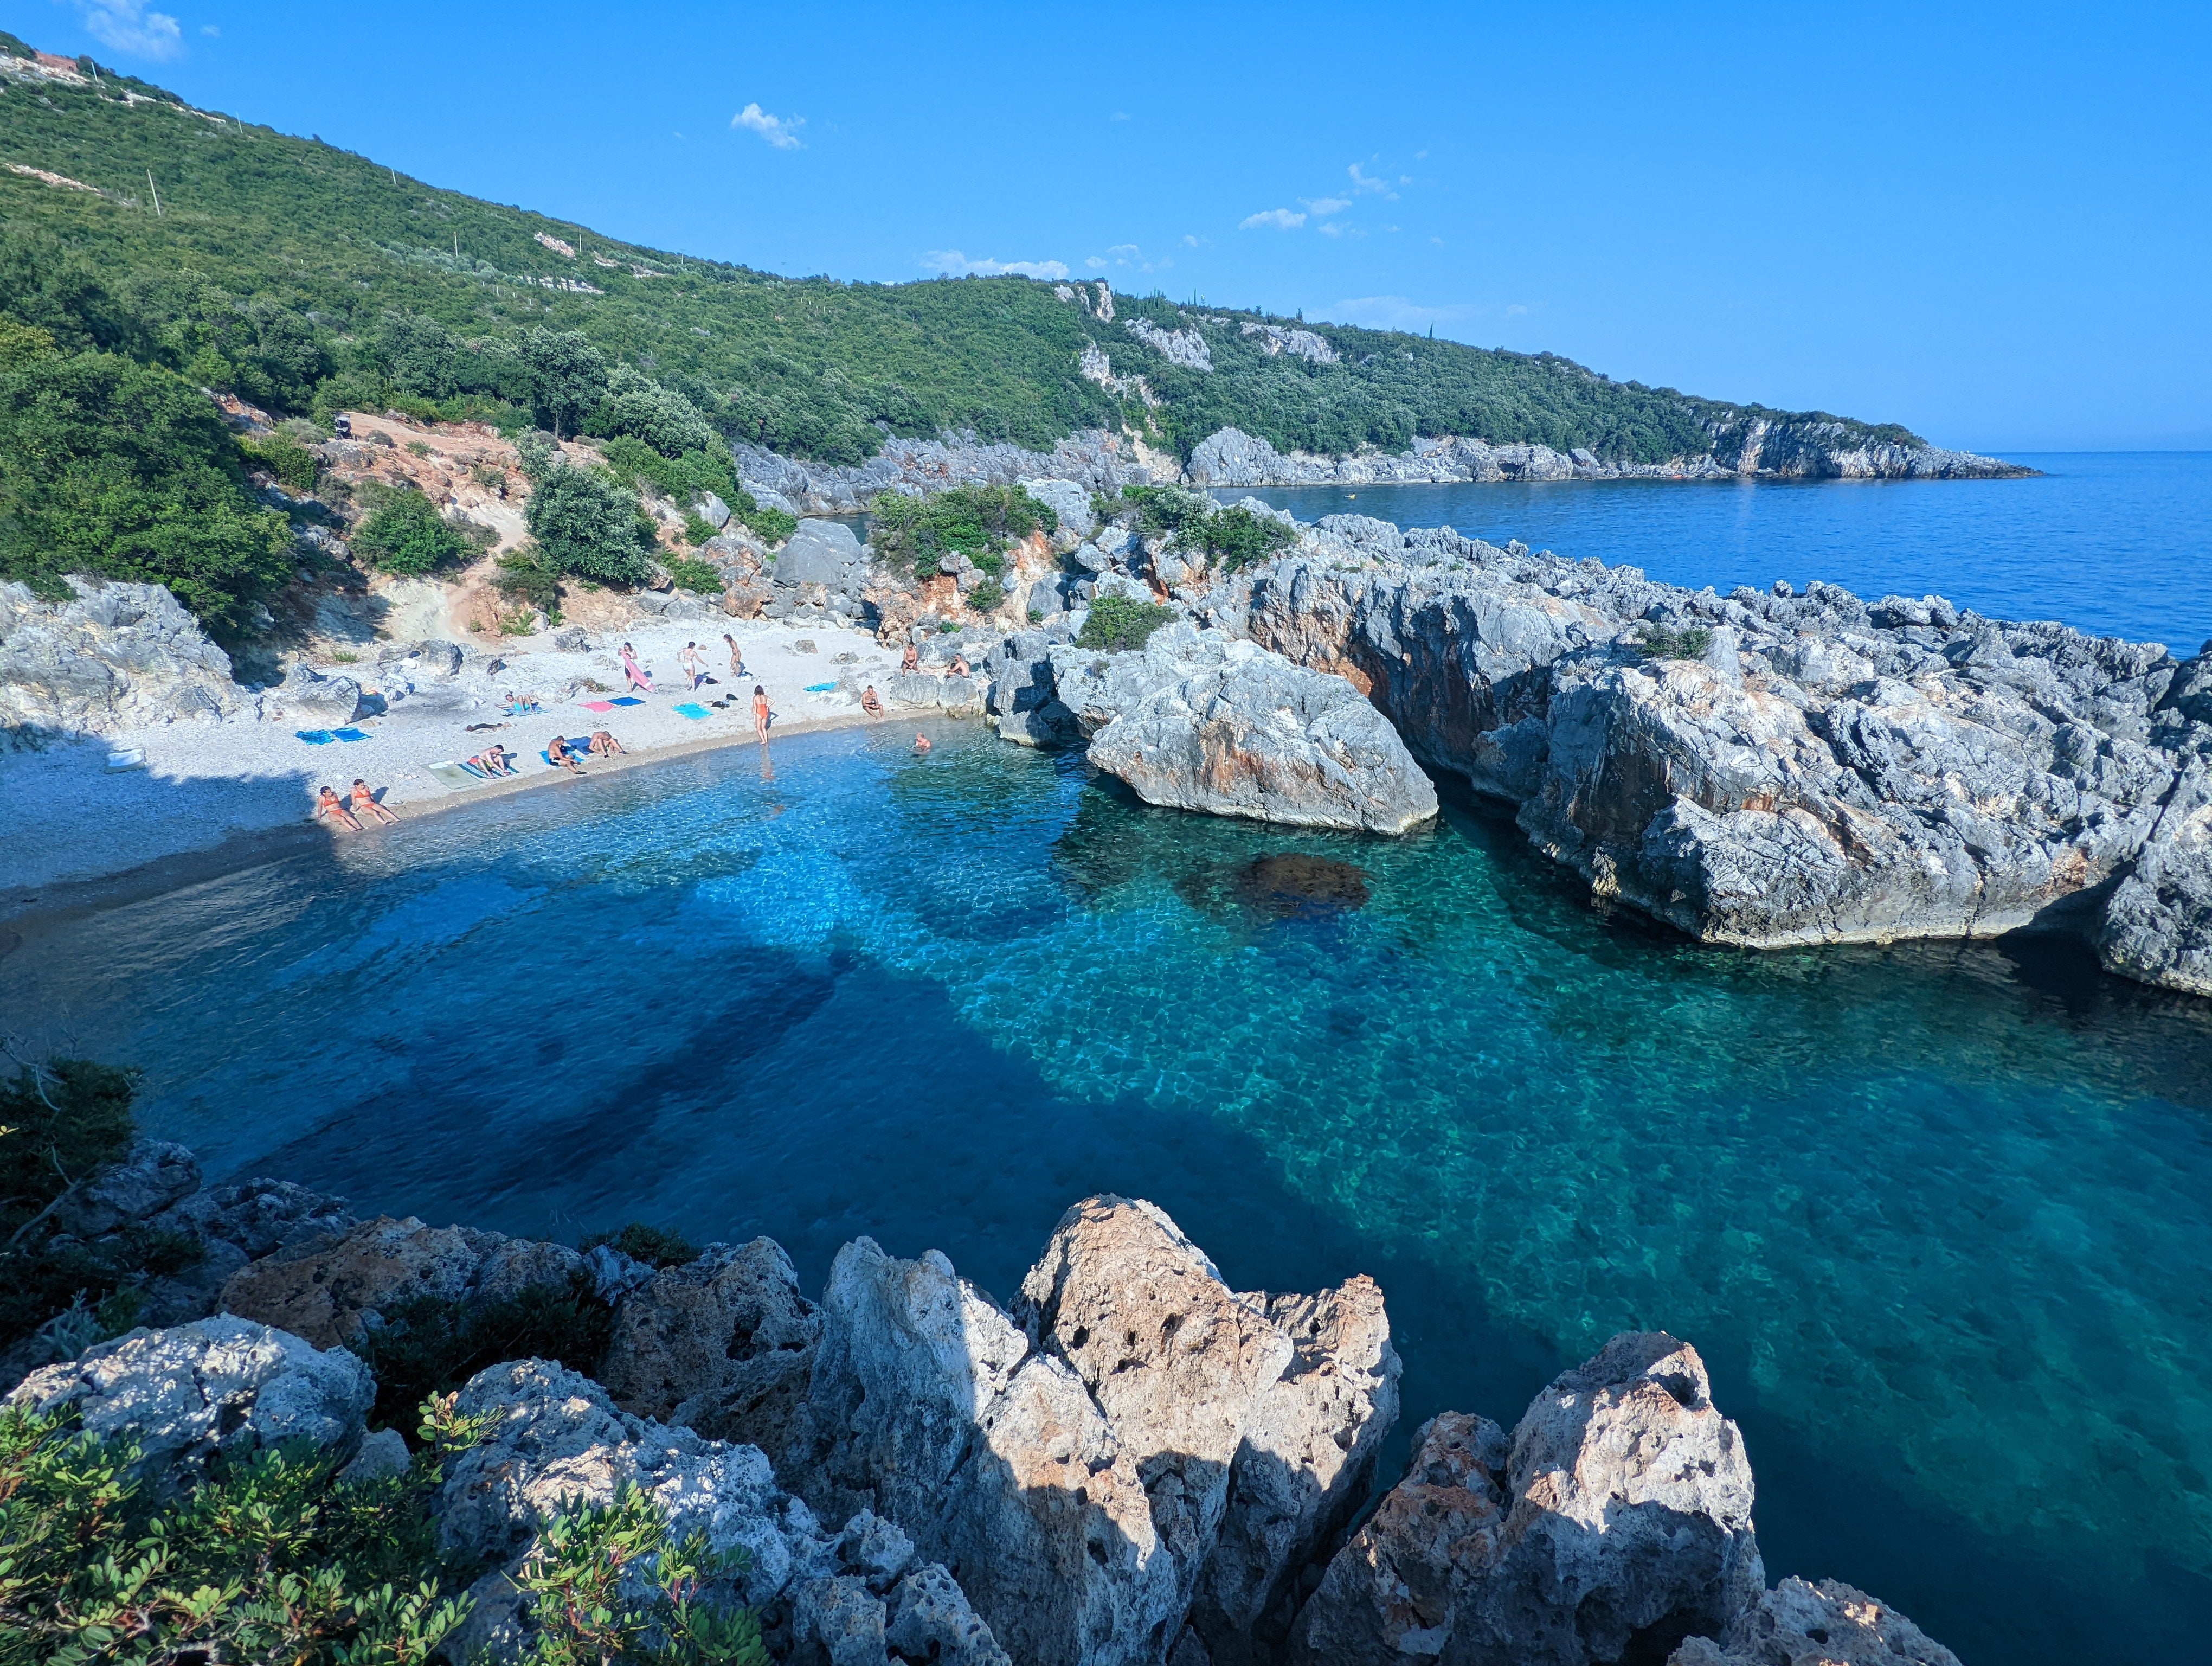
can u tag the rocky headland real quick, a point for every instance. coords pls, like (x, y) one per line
(1132, 1461)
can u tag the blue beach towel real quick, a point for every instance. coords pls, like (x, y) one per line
(626, 700)
(687, 710)
(314, 737)
(349, 734)
(820, 688)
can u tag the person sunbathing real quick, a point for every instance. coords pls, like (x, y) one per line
(603, 744)
(494, 759)
(558, 753)
(870, 702)
(911, 659)
(331, 805)
(959, 662)
(365, 804)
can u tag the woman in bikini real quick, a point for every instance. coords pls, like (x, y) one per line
(365, 804)
(760, 712)
(333, 806)
(638, 679)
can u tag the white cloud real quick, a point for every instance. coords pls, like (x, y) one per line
(1397, 312)
(1118, 115)
(127, 27)
(1280, 219)
(957, 264)
(775, 130)
(1191, 240)
(210, 31)
(1330, 230)
(1362, 182)
(1327, 204)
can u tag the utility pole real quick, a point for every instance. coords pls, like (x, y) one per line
(157, 195)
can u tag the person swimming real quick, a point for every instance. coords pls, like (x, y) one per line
(921, 742)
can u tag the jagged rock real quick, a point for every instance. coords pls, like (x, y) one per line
(1175, 1360)
(1799, 1623)
(326, 1292)
(837, 1620)
(1070, 503)
(931, 1622)
(714, 511)
(152, 1176)
(216, 1385)
(1259, 737)
(259, 1217)
(1186, 348)
(992, 1457)
(823, 552)
(724, 1346)
(615, 1275)
(1304, 1465)
(117, 656)
(308, 696)
(2157, 928)
(1628, 1529)
(1390, 1596)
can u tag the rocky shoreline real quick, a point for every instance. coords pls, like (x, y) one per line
(1132, 1463)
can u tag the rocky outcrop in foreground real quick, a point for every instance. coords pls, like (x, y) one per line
(117, 656)
(1134, 1464)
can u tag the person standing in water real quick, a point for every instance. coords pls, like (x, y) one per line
(760, 712)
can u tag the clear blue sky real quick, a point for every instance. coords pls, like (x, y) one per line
(1994, 225)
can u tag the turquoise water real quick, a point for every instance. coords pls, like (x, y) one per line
(2111, 543)
(1939, 1217)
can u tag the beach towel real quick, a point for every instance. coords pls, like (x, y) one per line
(347, 734)
(314, 737)
(693, 712)
(453, 775)
(626, 700)
(598, 705)
(820, 688)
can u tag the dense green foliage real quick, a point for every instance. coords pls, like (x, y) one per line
(60, 1123)
(1231, 537)
(113, 468)
(430, 1345)
(1658, 643)
(272, 1558)
(283, 456)
(585, 525)
(693, 575)
(406, 534)
(294, 273)
(656, 1246)
(526, 578)
(612, 1585)
(1117, 624)
(912, 534)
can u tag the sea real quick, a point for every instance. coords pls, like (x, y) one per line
(1938, 1216)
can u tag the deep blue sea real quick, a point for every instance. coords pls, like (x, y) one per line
(2112, 543)
(1939, 1216)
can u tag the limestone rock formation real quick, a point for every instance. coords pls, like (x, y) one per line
(117, 656)
(1766, 768)
(1627, 1527)
(1070, 502)
(326, 1291)
(823, 552)
(216, 1385)
(724, 1346)
(152, 1175)
(1260, 738)
(1799, 1623)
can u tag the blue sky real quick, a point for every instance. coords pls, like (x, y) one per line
(1990, 224)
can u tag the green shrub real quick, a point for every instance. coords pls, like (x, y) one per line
(1116, 623)
(1657, 642)
(684, 476)
(912, 534)
(772, 525)
(406, 534)
(273, 1558)
(641, 408)
(124, 471)
(987, 597)
(586, 525)
(524, 576)
(292, 462)
(697, 530)
(612, 1585)
(656, 1246)
(430, 1344)
(1236, 537)
(695, 575)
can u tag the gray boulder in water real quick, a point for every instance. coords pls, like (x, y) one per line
(1258, 737)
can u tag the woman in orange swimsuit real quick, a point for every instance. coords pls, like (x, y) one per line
(760, 712)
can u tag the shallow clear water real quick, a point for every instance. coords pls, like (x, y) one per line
(1940, 1218)
(2116, 544)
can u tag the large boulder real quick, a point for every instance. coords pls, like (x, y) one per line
(724, 1346)
(992, 1456)
(2157, 928)
(1259, 737)
(1799, 1623)
(154, 1175)
(824, 552)
(220, 1385)
(1626, 1528)
(114, 656)
(328, 1292)
(308, 696)
(1069, 501)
